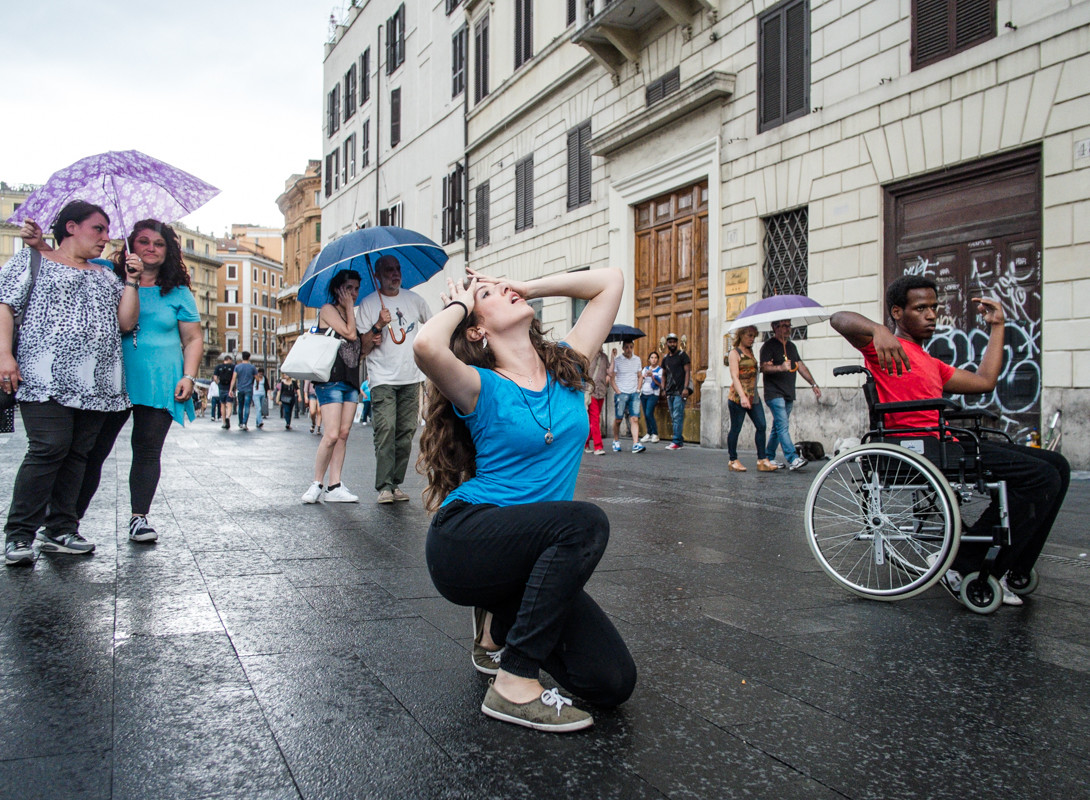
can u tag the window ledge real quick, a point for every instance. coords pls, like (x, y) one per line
(707, 89)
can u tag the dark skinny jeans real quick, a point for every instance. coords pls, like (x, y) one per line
(59, 439)
(738, 414)
(149, 430)
(527, 564)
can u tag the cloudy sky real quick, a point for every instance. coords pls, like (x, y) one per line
(229, 90)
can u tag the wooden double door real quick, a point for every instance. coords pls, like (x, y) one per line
(671, 283)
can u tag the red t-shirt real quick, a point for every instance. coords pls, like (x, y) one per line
(924, 382)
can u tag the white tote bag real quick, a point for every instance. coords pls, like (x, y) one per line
(311, 357)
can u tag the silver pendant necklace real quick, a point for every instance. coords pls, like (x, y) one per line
(548, 404)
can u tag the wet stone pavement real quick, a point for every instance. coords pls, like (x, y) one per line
(267, 649)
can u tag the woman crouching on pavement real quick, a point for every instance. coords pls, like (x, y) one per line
(501, 451)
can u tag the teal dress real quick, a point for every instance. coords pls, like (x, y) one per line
(153, 350)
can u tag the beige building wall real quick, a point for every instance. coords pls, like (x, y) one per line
(247, 312)
(266, 241)
(199, 252)
(300, 205)
(11, 197)
(873, 121)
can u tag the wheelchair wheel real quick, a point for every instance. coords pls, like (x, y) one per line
(882, 521)
(979, 595)
(1022, 584)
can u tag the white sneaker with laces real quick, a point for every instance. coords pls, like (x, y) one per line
(654, 438)
(645, 438)
(339, 495)
(313, 493)
(798, 463)
(616, 446)
(1009, 597)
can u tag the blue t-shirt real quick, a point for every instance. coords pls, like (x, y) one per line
(153, 351)
(514, 465)
(244, 376)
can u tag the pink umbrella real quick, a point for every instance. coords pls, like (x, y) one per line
(128, 184)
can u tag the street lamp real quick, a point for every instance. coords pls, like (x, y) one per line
(265, 344)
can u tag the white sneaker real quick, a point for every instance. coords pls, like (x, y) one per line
(339, 495)
(654, 438)
(645, 438)
(1009, 597)
(798, 463)
(313, 493)
(616, 446)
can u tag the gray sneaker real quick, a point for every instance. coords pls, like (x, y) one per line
(65, 543)
(485, 661)
(19, 553)
(797, 464)
(550, 712)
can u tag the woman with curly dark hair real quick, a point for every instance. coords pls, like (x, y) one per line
(501, 452)
(161, 356)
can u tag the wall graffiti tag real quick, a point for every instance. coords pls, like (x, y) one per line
(1010, 272)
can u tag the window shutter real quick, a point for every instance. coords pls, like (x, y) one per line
(524, 32)
(571, 11)
(524, 194)
(365, 76)
(932, 30)
(365, 144)
(974, 21)
(770, 71)
(579, 166)
(796, 61)
(480, 60)
(941, 28)
(446, 210)
(390, 44)
(395, 117)
(482, 214)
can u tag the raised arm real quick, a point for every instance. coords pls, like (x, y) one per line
(601, 288)
(860, 331)
(459, 382)
(991, 364)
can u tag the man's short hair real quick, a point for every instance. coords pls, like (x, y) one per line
(227, 357)
(245, 355)
(626, 342)
(387, 261)
(897, 292)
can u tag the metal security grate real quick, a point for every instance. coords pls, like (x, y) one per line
(786, 256)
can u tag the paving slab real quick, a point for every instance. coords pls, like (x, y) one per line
(264, 648)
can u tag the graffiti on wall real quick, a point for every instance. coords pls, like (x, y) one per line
(1009, 272)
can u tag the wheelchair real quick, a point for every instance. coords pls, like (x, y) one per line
(884, 518)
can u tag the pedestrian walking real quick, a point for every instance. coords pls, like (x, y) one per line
(242, 389)
(261, 398)
(779, 363)
(214, 400)
(339, 395)
(507, 537)
(624, 377)
(597, 386)
(392, 316)
(286, 396)
(65, 371)
(742, 400)
(313, 407)
(677, 369)
(223, 375)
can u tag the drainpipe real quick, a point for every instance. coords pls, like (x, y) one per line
(378, 117)
(465, 146)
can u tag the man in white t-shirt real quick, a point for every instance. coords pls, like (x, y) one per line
(624, 377)
(393, 317)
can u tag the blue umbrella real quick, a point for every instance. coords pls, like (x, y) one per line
(420, 258)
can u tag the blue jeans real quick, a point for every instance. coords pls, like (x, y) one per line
(677, 417)
(780, 436)
(649, 401)
(243, 399)
(257, 408)
(737, 417)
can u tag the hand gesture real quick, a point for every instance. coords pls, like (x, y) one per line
(344, 298)
(991, 310)
(461, 291)
(384, 318)
(891, 356)
(31, 235)
(521, 288)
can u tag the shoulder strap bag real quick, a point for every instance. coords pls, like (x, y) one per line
(311, 357)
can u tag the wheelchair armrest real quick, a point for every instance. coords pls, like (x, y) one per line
(972, 413)
(929, 404)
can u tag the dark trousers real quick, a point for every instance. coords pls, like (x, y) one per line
(149, 430)
(1037, 483)
(738, 414)
(214, 406)
(527, 564)
(286, 407)
(58, 441)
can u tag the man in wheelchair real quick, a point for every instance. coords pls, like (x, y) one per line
(1036, 479)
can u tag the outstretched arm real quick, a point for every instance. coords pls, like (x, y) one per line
(601, 288)
(860, 331)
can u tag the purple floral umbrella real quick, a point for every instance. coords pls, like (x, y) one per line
(128, 184)
(798, 308)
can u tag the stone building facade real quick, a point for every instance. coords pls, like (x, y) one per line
(720, 151)
(301, 206)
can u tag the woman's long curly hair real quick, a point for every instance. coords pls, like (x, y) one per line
(173, 271)
(448, 457)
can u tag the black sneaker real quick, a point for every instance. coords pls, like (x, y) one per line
(140, 530)
(227, 424)
(19, 552)
(65, 543)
